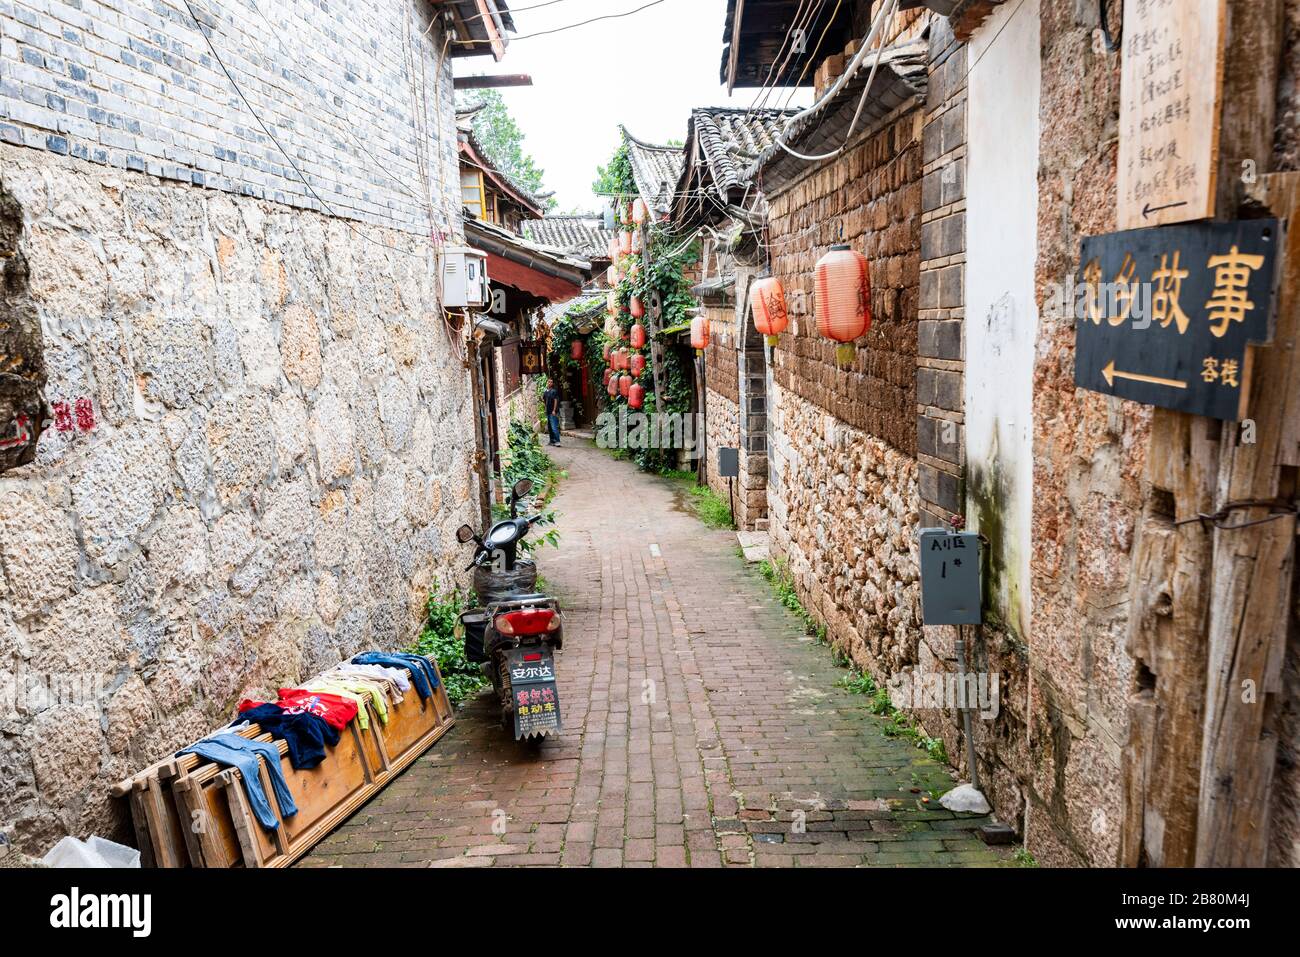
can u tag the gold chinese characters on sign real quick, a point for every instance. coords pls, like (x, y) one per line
(1166, 316)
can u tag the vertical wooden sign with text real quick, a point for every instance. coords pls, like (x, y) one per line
(1170, 86)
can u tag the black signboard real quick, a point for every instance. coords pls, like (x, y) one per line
(729, 463)
(1164, 315)
(536, 698)
(532, 357)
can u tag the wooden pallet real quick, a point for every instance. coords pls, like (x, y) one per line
(189, 812)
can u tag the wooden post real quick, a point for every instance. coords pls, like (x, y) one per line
(1253, 574)
(1194, 765)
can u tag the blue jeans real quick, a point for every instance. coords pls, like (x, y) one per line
(553, 422)
(233, 751)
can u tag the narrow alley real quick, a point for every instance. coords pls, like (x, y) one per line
(701, 725)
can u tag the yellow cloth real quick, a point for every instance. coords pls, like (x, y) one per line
(338, 684)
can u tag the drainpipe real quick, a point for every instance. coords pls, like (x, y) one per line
(960, 648)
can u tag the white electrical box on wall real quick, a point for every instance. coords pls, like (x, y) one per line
(465, 279)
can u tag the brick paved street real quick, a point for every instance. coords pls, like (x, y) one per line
(700, 724)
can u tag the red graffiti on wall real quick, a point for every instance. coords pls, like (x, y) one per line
(78, 416)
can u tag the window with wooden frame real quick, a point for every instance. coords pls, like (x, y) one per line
(472, 193)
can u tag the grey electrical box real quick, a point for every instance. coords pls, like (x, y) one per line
(729, 463)
(950, 577)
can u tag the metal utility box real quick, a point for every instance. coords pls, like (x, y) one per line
(465, 279)
(950, 577)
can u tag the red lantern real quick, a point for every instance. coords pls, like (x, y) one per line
(636, 307)
(635, 269)
(605, 352)
(638, 335)
(613, 247)
(767, 299)
(636, 396)
(612, 385)
(638, 364)
(625, 242)
(623, 360)
(624, 385)
(699, 334)
(843, 298)
(636, 241)
(575, 350)
(639, 211)
(609, 374)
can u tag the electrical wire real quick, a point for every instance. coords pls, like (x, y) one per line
(870, 184)
(573, 26)
(877, 33)
(311, 189)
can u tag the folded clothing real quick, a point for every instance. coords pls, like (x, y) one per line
(305, 734)
(422, 672)
(336, 710)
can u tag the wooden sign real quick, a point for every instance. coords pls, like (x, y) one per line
(1164, 316)
(1170, 87)
(532, 357)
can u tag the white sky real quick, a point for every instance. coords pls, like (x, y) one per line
(645, 71)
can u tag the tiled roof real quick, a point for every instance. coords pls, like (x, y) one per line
(584, 236)
(731, 140)
(901, 78)
(655, 169)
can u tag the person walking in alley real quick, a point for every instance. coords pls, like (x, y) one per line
(551, 402)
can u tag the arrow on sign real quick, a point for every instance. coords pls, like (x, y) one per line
(1111, 375)
(1148, 209)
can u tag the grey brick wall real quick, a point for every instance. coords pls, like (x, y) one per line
(349, 89)
(941, 435)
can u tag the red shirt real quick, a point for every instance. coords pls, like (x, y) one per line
(335, 710)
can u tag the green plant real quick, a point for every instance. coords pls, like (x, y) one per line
(442, 639)
(525, 459)
(713, 510)
(898, 725)
(1023, 858)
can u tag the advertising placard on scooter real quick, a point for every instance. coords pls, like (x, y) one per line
(536, 698)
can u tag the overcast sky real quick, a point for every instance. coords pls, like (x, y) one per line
(646, 71)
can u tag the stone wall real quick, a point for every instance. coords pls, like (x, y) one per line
(721, 392)
(1089, 459)
(260, 436)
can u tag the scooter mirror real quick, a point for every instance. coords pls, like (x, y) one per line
(523, 487)
(464, 534)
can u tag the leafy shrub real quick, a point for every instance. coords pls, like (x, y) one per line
(441, 638)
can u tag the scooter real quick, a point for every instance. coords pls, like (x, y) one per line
(516, 632)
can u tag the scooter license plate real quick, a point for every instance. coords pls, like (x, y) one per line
(536, 697)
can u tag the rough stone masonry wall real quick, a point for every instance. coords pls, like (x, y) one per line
(844, 503)
(722, 415)
(260, 440)
(1089, 461)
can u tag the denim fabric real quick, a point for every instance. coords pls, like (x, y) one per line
(230, 750)
(422, 673)
(553, 423)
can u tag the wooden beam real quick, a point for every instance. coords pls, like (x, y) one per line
(1251, 575)
(1196, 772)
(492, 82)
(735, 45)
